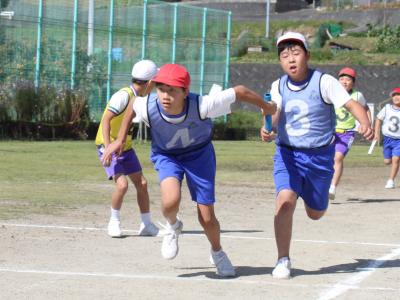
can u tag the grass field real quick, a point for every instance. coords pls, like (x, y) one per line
(46, 177)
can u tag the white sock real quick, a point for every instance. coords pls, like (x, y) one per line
(115, 214)
(174, 226)
(216, 253)
(146, 218)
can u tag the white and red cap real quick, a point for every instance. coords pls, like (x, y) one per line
(173, 75)
(144, 70)
(395, 91)
(293, 36)
(348, 72)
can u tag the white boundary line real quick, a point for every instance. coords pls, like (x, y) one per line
(176, 278)
(77, 228)
(354, 281)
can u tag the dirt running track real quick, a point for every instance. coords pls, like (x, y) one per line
(352, 253)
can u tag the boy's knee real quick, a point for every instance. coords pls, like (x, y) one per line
(315, 215)
(207, 221)
(122, 187)
(140, 183)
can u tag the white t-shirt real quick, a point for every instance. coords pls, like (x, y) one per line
(211, 106)
(360, 99)
(390, 116)
(331, 90)
(118, 101)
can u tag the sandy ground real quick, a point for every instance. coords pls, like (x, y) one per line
(351, 253)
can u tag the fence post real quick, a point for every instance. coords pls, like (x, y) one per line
(174, 32)
(90, 27)
(74, 34)
(203, 50)
(228, 53)
(144, 32)
(38, 45)
(110, 38)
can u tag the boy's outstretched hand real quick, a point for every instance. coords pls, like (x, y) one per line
(269, 108)
(115, 147)
(267, 136)
(366, 132)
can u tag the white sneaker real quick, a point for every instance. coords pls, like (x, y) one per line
(170, 248)
(114, 228)
(148, 230)
(332, 192)
(223, 264)
(390, 184)
(282, 268)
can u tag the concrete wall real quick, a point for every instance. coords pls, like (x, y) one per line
(375, 82)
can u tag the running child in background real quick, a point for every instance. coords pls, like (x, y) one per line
(389, 120)
(127, 164)
(181, 130)
(305, 131)
(345, 126)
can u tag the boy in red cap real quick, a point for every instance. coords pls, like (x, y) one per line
(389, 119)
(345, 126)
(181, 130)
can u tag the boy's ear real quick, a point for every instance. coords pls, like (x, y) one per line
(186, 92)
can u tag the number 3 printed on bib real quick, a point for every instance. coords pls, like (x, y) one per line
(299, 122)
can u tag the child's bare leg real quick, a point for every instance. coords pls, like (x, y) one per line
(121, 187)
(339, 158)
(283, 221)
(210, 224)
(140, 183)
(170, 197)
(395, 167)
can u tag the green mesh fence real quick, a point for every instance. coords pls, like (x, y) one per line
(91, 45)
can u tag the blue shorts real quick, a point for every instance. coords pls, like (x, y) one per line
(391, 147)
(307, 172)
(198, 166)
(127, 163)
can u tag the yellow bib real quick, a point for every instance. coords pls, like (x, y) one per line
(344, 119)
(115, 124)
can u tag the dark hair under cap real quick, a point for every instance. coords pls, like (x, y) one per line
(288, 44)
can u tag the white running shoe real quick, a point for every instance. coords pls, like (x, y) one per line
(114, 228)
(332, 192)
(170, 248)
(390, 184)
(223, 264)
(148, 230)
(282, 268)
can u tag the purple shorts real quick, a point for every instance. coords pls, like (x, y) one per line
(343, 141)
(127, 163)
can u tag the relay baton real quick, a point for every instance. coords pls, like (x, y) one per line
(371, 148)
(268, 118)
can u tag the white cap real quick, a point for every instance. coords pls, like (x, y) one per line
(292, 36)
(144, 70)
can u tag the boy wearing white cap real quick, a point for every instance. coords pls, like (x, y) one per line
(304, 127)
(127, 163)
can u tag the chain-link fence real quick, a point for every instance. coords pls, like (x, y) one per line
(90, 46)
(344, 4)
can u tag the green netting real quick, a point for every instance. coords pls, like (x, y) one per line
(57, 43)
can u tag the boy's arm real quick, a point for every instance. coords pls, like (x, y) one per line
(244, 94)
(378, 125)
(118, 145)
(106, 121)
(358, 111)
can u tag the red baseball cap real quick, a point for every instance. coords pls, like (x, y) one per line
(349, 72)
(173, 75)
(395, 91)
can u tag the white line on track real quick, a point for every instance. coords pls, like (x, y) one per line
(354, 281)
(77, 228)
(175, 278)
